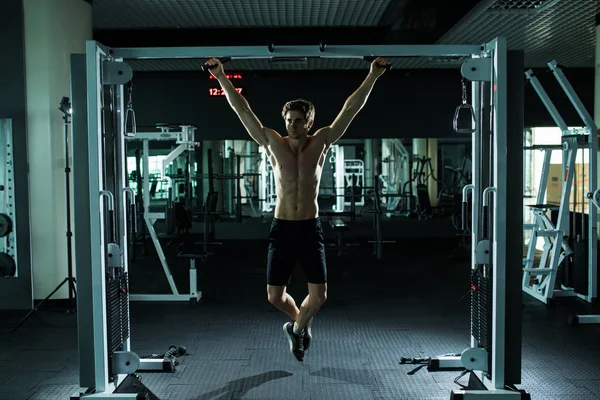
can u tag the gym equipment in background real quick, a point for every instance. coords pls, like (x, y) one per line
(561, 241)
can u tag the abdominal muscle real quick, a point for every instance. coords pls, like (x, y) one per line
(297, 185)
(297, 200)
(297, 178)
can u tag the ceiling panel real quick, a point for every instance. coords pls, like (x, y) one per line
(140, 14)
(545, 29)
(563, 30)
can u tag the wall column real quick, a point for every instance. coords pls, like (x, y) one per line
(53, 30)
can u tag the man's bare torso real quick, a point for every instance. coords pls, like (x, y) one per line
(297, 176)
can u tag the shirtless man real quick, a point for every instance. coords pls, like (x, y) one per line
(297, 159)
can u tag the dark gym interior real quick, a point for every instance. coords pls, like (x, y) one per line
(402, 290)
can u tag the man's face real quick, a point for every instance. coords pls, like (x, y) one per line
(296, 125)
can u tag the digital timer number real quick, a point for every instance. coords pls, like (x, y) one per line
(220, 92)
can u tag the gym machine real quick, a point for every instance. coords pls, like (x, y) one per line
(395, 173)
(348, 180)
(234, 180)
(104, 220)
(101, 204)
(8, 238)
(377, 212)
(540, 279)
(252, 178)
(354, 183)
(583, 319)
(184, 139)
(422, 170)
(494, 354)
(449, 196)
(267, 190)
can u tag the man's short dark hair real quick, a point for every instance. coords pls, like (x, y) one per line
(304, 106)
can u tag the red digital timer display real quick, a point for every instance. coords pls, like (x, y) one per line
(217, 91)
(220, 92)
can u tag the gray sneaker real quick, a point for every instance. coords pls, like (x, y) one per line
(296, 341)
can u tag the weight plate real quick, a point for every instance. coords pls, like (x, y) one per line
(6, 225)
(8, 267)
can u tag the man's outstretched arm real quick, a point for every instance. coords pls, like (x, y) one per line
(355, 102)
(240, 105)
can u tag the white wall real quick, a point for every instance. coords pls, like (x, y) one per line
(53, 30)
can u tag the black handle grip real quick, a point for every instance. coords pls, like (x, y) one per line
(465, 211)
(111, 226)
(372, 58)
(485, 222)
(133, 213)
(223, 60)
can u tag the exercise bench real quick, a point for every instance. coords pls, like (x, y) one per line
(339, 226)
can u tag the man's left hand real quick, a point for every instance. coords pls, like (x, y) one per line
(378, 66)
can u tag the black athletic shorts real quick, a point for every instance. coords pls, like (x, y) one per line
(292, 242)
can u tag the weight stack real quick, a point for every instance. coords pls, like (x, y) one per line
(481, 311)
(117, 304)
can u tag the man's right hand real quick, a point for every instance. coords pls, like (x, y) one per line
(217, 70)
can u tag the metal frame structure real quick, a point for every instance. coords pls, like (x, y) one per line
(266, 187)
(495, 72)
(339, 177)
(184, 140)
(583, 319)
(395, 171)
(539, 280)
(102, 255)
(354, 169)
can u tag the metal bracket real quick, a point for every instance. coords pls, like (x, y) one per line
(475, 359)
(116, 73)
(115, 256)
(482, 253)
(477, 69)
(125, 362)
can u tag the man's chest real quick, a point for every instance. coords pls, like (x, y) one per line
(309, 160)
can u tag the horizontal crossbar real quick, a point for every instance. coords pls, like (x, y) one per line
(332, 51)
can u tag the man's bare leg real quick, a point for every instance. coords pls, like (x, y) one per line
(279, 297)
(317, 294)
(303, 305)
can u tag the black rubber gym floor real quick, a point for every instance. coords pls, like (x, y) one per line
(376, 313)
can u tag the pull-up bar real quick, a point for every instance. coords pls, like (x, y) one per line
(224, 60)
(321, 51)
